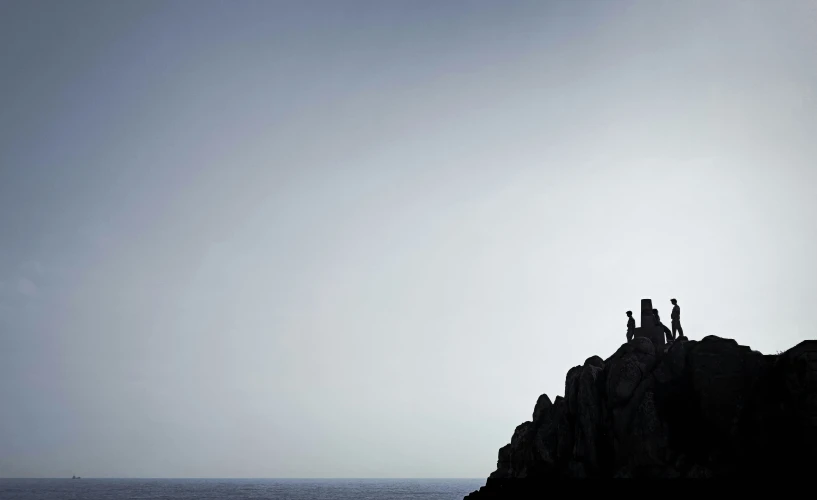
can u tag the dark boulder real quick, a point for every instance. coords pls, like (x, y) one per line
(542, 409)
(589, 403)
(710, 408)
(627, 368)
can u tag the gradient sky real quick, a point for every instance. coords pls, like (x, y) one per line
(359, 239)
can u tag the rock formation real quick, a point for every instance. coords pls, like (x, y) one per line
(690, 409)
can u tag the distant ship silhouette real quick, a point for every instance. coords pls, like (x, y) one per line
(75, 477)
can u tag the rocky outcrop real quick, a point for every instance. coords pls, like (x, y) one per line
(691, 409)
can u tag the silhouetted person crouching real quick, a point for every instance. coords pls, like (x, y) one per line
(676, 319)
(630, 326)
(667, 332)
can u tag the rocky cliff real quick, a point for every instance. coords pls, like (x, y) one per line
(709, 408)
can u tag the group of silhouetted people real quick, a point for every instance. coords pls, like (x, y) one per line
(670, 334)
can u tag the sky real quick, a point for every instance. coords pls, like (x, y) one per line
(360, 238)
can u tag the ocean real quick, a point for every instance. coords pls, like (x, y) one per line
(201, 489)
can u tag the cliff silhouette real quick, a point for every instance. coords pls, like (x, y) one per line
(687, 409)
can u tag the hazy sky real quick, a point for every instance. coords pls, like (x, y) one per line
(348, 238)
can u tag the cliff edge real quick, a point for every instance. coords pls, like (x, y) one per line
(690, 409)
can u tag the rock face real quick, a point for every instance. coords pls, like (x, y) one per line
(708, 408)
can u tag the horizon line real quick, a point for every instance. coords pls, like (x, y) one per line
(240, 478)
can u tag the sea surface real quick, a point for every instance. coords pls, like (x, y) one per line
(284, 489)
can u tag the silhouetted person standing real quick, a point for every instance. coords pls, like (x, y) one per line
(630, 326)
(676, 319)
(662, 326)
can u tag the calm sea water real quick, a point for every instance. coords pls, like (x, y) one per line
(283, 489)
